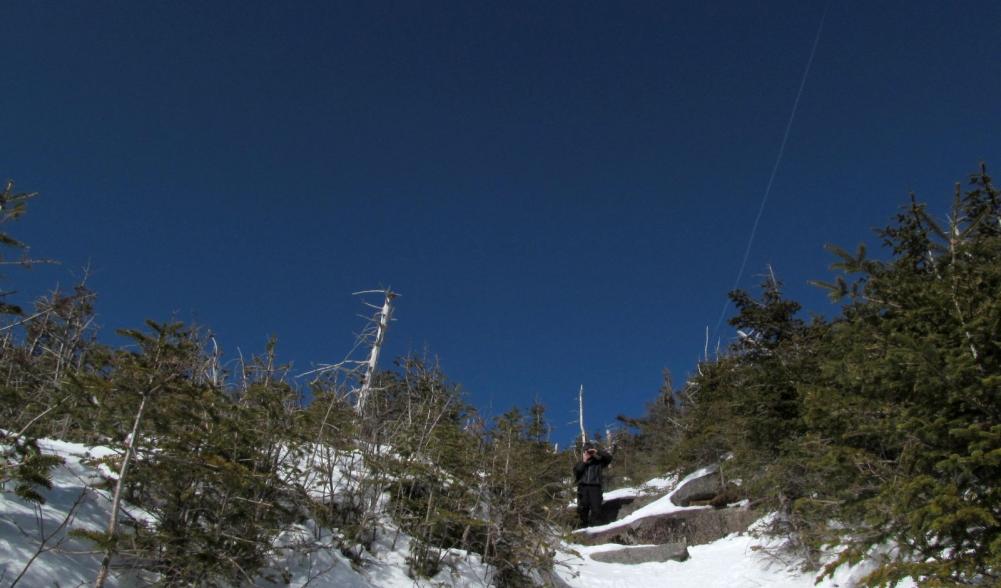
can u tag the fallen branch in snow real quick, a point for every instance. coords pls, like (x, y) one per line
(43, 545)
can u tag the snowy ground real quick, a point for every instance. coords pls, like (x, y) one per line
(733, 562)
(73, 503)
(27, 529)
(737, 561)
(306, 554)
(662, 505)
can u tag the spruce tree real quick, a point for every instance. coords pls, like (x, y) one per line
(908, 403)
(22, 463)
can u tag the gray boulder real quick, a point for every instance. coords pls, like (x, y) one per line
(643, 554)
(636, 504)
(692, 527)
(612, 509)
(703, 488)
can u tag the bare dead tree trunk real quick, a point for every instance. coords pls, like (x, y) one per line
(580, 414)
(213, 367)
(954, 237)
(373, 358)
(116, 500)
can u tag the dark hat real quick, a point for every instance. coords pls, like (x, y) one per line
(588, 445)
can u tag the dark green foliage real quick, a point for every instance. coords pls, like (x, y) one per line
(214, 481)
(880, 426)
(217, 455)
(886, 421)
(747, 405)
(12, 205)
(922, 407)
(21, 462)
(643, 446)
(99, 539)
(57, 349)
(455, 483)
(433, 472)
(525, 488)
(424, 560)
(24, 465)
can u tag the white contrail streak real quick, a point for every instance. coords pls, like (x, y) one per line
(775, 169)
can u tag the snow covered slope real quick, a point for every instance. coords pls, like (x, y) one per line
(739, 560)
(736, 561)
(36, 551)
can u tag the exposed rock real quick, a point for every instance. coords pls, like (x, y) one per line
(731, 494)
(703, 488)
(551, 579)
(643, 554)
(636, 504)
(612, 509)
(693, 527)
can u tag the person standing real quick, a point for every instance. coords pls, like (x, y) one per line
(587, 474)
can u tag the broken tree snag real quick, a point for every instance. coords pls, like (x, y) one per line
(381, 321)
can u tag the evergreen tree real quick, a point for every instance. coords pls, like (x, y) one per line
(12, 205)
(747, 404)
(525, 487)
(915, 405)
(211, 469)
(881, 426)
(21, 462)
(644, 447)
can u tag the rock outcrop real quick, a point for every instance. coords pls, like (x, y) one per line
(704, 487)
(704, 517)
(612, 509)
(643, 554)
(692, 527)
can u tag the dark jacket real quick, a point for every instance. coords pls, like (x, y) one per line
(589, 474)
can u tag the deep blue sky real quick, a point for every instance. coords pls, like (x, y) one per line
(562, 191)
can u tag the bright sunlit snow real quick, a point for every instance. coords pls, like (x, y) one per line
(307, 555)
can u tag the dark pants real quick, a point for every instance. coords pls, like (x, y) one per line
(588, 504)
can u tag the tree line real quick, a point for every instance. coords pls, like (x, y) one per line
(216, 459)
(877, 428)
